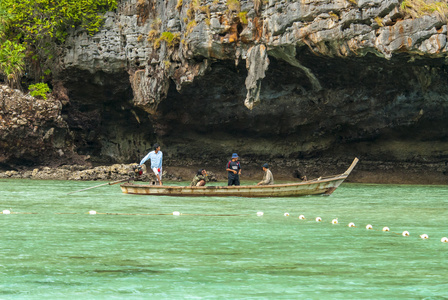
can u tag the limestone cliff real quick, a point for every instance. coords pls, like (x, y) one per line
(32, 131)
(288, 82)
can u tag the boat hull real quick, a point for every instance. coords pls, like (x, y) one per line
(278, 190)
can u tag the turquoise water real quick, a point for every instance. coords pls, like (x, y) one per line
(218, 248)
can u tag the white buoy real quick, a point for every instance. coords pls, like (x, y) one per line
(405, 233)
(286, 214)
(92, 212)
(424, 236)
(444, 239)
(260, 213)
(368, 226)
(318, 219)
(302, 217)
(6, 212)
(176, 213)
(334, 221)
(386, 228)
(351, 224)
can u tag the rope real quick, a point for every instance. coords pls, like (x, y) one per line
(259, 214)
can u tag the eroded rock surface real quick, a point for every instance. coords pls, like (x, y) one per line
(32, 130)
(133, 39)
(295, 83)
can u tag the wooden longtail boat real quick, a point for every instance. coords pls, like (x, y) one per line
(321, 185)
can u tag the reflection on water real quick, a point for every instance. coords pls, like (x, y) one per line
(219, 247)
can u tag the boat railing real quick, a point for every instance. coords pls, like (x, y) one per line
(327, 177)
(352, 166)
(345, 174)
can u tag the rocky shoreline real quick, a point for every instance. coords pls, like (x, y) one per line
(73, 172)
(87, 173)
(431, 173)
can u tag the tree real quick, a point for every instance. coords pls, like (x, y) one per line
(12, 63)
(41, 25)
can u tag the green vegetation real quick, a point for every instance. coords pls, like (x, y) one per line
(4, 18)
(191, 14)
(12, 62)
(153, 35)
(334, 16)
(179, 5)
(379, 21)
(192, 24)
(194, 6)
(234, 5)
(40, 25)
(418, 8)
(243, 17)
(196, 3)
(170, 38)
(39, 90)
(206, 10)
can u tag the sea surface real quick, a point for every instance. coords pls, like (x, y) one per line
(220, 248)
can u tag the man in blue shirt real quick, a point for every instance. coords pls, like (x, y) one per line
(156, 158)
(234, 170)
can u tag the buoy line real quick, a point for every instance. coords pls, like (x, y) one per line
(301, 217)
(175, 213)
(370, 227)
(217, 215)
(93, 212)
(9, 212)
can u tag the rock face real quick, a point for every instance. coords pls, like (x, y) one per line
(323, 81)
(32, 131)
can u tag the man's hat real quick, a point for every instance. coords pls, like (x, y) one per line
(266, 166)
(234, 155)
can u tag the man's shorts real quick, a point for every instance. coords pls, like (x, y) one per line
(234, 180)
(157, 171)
